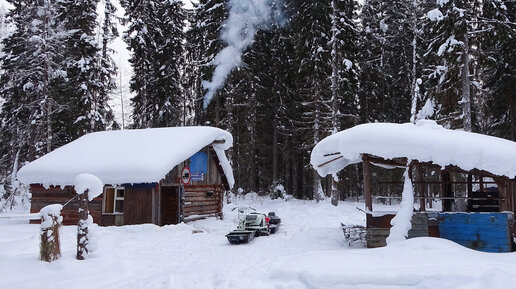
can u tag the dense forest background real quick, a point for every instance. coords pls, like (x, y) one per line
(317, 67)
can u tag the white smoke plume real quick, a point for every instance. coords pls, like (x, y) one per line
(245, 18)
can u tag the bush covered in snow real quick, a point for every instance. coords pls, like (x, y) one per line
(16, 198)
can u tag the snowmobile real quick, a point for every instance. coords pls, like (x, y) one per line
(252, 225)
(274, 222)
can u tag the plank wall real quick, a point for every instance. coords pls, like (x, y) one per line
(42, 197)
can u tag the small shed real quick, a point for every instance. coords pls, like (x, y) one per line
(160, 175)
(469, 174)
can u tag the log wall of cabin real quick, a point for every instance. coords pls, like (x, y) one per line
(511, 192)
(202, 200)
(513, 195)
(212, 177)
(42, 197)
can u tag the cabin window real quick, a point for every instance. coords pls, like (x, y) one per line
(114, 200)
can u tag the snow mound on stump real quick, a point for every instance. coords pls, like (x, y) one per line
(48, 213)
(88, 182)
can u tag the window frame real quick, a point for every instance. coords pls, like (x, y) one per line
(115, 199)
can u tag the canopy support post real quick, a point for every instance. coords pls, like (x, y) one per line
(421, 188)
(446, 190)
(367, 183)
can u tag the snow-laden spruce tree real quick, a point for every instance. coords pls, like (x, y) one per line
(31, 65)
(155, 37)
(248, 104)
(246, 154)
(191, 82)
(5, 29)
(312, 34)
(204, 43)
(452, 35)
(168, 62)
(389, 59)
(416, 12)
(257, 95)
(344, 74)
(499, 73)
(108, 68)
(140, 16)
(344, 64)
(275, 92)
(84, 92)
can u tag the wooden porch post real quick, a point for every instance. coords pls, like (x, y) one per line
(470, 185)
(446, 190)
(503, 191)
(421, 188)
(367, 183)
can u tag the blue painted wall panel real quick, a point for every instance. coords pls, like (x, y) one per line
(199, 163)
(488, 232)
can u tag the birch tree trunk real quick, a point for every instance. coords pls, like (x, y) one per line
(47, 106)
(466, 86)
(334, 96)
(335, 196)
(335, 69)
(316, 179)
(145, 122)
(414, 86)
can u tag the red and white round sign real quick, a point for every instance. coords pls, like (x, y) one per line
(185, 176)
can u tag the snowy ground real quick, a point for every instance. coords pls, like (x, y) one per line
(307, 252)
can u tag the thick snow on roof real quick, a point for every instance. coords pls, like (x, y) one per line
(425, 141)
(126, 156)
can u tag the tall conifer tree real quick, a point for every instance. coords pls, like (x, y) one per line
(31, 66)
(499, 76)
(451, 49)
(155, 36)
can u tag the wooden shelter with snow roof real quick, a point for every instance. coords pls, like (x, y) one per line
(159, 175)
(464, 183)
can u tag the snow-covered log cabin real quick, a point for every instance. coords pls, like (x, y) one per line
(160, 175)
(463, 184)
